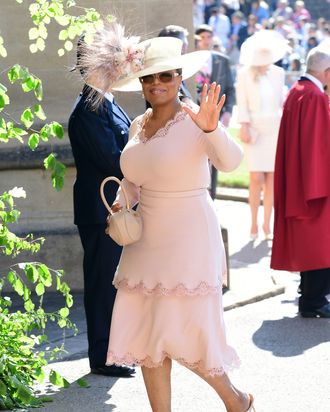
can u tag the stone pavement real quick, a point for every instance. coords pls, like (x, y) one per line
(251, 280)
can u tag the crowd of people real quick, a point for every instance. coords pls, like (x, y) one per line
(233, 21)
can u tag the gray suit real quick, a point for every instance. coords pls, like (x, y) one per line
(221, 74)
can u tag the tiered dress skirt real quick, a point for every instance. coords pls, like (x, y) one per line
(169, 299)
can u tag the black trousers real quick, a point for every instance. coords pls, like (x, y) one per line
(101, 257)
(314, 286)
(214, 182)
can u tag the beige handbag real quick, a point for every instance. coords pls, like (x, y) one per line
(124, 226)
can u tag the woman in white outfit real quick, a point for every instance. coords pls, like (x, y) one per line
(260, 94)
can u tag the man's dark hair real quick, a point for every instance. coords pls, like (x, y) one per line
(204, 28)
(174, 31)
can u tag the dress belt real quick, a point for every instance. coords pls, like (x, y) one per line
(184, 193)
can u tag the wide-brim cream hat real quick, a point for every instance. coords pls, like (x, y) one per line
(162, 54)
(263, 48)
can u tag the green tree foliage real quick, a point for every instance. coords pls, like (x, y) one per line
(22, 332)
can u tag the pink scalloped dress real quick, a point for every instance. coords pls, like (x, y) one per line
(169, 300)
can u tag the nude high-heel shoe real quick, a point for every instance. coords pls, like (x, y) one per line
(251, 407)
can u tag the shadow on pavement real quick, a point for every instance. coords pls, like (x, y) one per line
(250, 253)
(95, 397)
(291, 336)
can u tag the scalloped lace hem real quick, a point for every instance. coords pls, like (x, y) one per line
(130, 360)
(162, 132)
(180, 289)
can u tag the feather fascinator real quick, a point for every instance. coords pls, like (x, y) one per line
(108, 58)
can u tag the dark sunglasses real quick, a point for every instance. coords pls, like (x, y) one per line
(164, 77)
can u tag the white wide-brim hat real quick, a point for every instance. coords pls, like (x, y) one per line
(263, 48)
(163, 54)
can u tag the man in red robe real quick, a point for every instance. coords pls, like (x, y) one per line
(302, 187)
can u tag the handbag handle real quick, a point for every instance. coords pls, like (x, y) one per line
(115, 179)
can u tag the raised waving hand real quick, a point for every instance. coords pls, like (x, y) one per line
(207, 115)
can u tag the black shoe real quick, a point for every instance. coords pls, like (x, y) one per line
(114, 371)
(323, 312)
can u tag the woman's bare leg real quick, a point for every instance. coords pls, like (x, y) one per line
(158, 385)
(268, 201)
(234, 399)
(256, 182)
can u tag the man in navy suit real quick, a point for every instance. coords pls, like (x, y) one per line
(97, 137)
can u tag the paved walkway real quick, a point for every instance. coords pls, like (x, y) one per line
(251, 280)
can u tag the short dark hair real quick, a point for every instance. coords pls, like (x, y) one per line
(174, 31)
(204, 28)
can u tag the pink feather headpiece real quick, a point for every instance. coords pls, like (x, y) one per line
(110, 57)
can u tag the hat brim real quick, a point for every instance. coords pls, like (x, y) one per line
(273, 42)
(190, 63)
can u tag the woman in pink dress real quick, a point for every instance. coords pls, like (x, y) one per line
(169, 301)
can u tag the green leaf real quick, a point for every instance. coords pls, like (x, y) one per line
(14, 73)
(2, 102)
(18, 287)
(11, 277)
(40, 43)
(61, 52)
(62, 323)
(29, 305)
(43, 31)
(32, 273)
(45, 132)
(63, 35)
(56, 379)
(3, 388)
(24, 394)
(39, 112)
(27, 293)
(49, 162)
(59, 169)
(68, 45)
(40, 289)
(28, 84)
(83, 383)
(3, 89)
(63, 20)
(33, 33)
(57, 130)
(73, 31)
(69, 300)
(33, 141)
(45, 276)
(27, 118)
(64, 312)
(33, 48)
(38, 92)
(57, 182)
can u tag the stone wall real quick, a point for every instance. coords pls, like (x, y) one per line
(46, 212)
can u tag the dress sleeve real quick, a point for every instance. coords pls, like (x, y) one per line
(242, 98)
(132, 191)
(224, 153)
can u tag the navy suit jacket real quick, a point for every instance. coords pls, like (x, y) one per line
(97, 139)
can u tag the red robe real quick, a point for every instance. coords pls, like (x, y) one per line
(302, 182)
